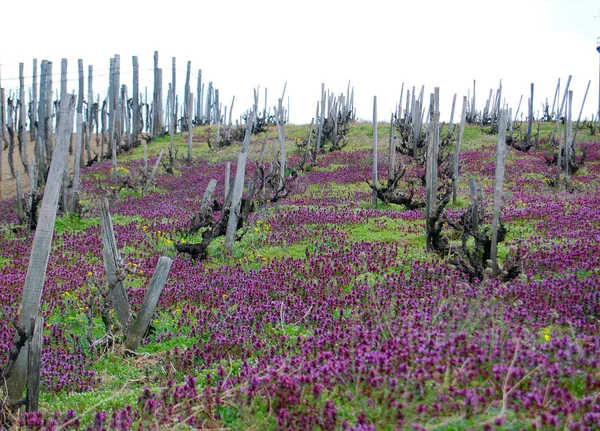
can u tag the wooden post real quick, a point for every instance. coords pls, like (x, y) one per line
(530, 115)
(125, 116)
(474, 211)
(34, 361)
(432, 174)
(113, 266)
(307, 148)
(190, 110)
(136, 99)
(392, 150)
(20, 207)
(473, 111)
(451, 123)
(22, 117)
(48, 114)
(209, 103)
(475, 217)
(103, 121)
(498, 187)
(142, 320)
(78, 141)
(155, 168)
(281, 134)
(206, 202)
(230, 118)
(186, 95)
(34, 101)
(90, 112)
(569, 139)
(173, 117)
(2, 128)
(217, 119)
(157, 114)
(227, 178)
(556, 93)
(238, 185)
(581, 112)
(199, 99)
(375, 179)
(320, 121)
(42, 243)
(461, 129)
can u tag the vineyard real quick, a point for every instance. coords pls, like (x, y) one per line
(353, 276)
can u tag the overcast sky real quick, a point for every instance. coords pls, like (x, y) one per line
(375, 44)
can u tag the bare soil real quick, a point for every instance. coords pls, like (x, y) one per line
(8, 186)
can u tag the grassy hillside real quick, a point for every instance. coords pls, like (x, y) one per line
(328, 314)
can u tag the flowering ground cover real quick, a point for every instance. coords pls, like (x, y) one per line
(329, 314)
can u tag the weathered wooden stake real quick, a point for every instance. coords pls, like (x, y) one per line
(78, 141)
(42, 243)
(227, 178)
(190, 110)
(498, 187)
(155, 168)
(530, 115)
(34, 101)
(22, 130)
(375, 178)
(20, 212)
(238, 185)
(461, 129)
(142, 320)
(392, 150)
(136, 99)
(2, 128)
(34, 361)
(113, 266)
(569, 139)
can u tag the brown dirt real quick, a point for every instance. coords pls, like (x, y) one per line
(8, 186)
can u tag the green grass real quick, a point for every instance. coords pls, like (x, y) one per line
(123, 376)
(74, 222)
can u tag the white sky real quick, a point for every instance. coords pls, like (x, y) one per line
(376, 45)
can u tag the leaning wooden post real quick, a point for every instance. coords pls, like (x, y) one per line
(238, 185)
(113, 267)
(498, 186)
(34, 361)
(42, 243)
(461, 129)
(375, 179)
(206, 202)
(142, 320)
(451, 123)
(581, 112)
(155, 168)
